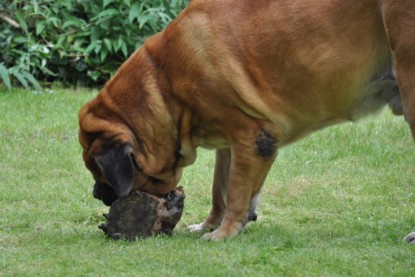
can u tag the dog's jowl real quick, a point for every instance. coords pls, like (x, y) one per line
(245, 77)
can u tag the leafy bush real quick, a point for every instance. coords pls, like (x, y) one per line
(77, 42)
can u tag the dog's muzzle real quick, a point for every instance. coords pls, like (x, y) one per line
(104, 193)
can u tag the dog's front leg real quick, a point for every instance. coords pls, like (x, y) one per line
(249, 165)
(219, 191)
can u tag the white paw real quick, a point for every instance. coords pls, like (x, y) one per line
(195, 228)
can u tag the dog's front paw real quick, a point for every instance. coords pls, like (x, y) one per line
(410, 238)
(224, 233)
(219, 235)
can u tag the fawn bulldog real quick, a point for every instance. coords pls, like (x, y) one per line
(244, 77)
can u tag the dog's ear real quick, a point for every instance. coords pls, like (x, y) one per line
(116, 164)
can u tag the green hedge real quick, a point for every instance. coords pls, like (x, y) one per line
(75, 42)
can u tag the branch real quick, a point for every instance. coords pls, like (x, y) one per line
(9, 20)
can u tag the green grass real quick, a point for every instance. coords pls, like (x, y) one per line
(337, 203)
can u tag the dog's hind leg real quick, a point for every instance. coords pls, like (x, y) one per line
(399, 20)
(219, 190)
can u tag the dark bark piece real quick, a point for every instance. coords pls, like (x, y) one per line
(140, 215)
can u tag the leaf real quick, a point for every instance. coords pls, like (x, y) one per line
(94, 74)
(95, 33)
(91, 47)
(117, 44)
(61, 39)
(66, 3)
(19, 39)
(32, 80)
(107, 2)
(109, 12)
(22, 21)
(21, 79)
(54, 20)
(127, 3)
(143, 20)
(98, 47)
(124, 49)
(4, 74)
(40, 26)
(134, 13)
(167, 8)
(72, 22)
(47, 70)
(103, 54)
(82, 34)
(107, 43)
(78, 45)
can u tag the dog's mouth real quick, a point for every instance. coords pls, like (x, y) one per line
(104, 193)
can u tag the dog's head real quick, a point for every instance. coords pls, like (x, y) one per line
(129, 144)
(123, 158)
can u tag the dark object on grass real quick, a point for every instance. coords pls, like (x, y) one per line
(410, 238)
(141, 215)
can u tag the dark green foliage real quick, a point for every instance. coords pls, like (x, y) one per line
(76, 42)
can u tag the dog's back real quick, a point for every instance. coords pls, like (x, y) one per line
(317, 62)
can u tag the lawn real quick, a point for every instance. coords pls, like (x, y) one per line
(336, 203)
